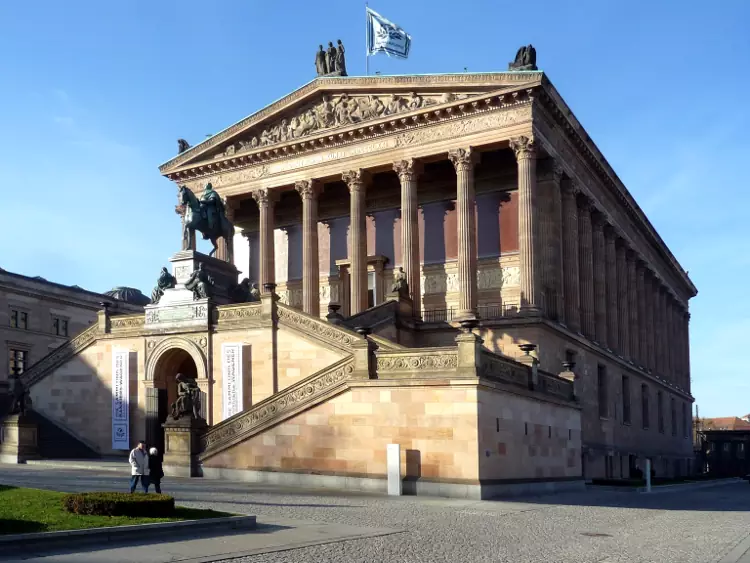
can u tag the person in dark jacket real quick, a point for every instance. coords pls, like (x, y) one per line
(155, 470)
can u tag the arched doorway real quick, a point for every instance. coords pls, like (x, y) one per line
(163, 393)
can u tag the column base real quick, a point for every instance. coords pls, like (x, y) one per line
(19, 438)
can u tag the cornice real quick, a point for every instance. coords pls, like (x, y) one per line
(564, 117)
(336, 85)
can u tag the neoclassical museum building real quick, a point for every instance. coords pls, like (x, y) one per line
(445, 262)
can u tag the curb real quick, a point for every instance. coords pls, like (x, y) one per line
(72, 538)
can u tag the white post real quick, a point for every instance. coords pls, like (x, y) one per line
(393, 461)
(648, 475)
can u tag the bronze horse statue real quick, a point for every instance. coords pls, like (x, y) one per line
(196, 219)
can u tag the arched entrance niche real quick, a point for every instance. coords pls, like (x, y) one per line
(168, 358)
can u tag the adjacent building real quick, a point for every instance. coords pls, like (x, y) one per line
(37, 316)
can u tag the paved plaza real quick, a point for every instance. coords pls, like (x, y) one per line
(700, 526)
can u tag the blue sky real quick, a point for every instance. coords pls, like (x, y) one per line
(96, 93)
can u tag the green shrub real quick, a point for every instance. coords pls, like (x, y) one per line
(119, 504)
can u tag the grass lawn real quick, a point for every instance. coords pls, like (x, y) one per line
(31, 510)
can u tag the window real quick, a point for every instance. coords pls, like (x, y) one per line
(602, 382)
(673, 408)
(644, 407)
(60, 326)
(19, 319)
(660, 411)
(17, 361)
(625, 399)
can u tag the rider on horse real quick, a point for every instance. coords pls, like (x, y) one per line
(212, 208)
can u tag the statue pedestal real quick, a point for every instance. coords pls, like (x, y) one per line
(182, 446)
(18, 439)
(405, 304)
(185, 262)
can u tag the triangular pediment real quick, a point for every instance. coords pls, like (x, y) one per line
(327, 105)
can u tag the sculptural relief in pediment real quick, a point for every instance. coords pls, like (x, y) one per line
(335, 111)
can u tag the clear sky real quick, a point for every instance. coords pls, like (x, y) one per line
(95, 95)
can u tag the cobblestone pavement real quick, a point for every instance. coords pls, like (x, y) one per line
(700, 526)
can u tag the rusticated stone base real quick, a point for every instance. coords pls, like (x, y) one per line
(19, 437)
(181, 447)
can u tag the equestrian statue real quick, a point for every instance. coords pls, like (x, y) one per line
(207, 216)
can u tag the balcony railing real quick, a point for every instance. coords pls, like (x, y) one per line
(485, 312)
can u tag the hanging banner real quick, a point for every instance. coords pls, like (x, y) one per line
(121, 400)
(231, 369)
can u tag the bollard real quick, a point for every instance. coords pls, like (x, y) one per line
(648, 475)
(393, 461)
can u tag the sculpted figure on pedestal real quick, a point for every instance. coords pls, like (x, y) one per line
(165, 281)
(525, 59)
(188, 401)
(200, 283)
(206, 216)
(340, 60)
(331, 58)
(182, 146)
(21, 399)
(320, 61)
(400, 285)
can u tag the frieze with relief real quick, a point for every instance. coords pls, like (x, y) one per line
(487, 278)
(336, 111)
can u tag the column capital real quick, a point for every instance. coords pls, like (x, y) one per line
(523, 147)
(598, 220)
(584, 202)
(570, 187)
(610, 232)
(355, 179)
(308, 189)
(407, 169)
(631, 255)
(264, 196)
(553, 170)
(463, 159)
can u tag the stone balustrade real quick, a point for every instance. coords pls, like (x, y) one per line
(417, 362)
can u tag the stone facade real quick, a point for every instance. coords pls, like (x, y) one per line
(37, 316)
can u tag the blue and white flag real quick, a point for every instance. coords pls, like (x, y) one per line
(386, 37)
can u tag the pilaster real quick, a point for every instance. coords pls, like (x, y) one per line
(528, 238)
(586, 265)
(622, 300)
(570, 256)
(613, 328)
(463, 161)
(633, 307)
(600, 278)
(643, 326)
(649, 281)
(309, 191)
(408, 171)
(356, 181)
(266, 200)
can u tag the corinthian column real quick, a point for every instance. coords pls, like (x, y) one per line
(309, 191)
(355, 179)
(650, 321)
(670, 338)
(407, 171)
(525, 150)
(586, 266)
(622, 300)
(686, 338)
(613, 327)
(570, 256)
(600, 278)
(642, 322)
(463, 161)
(659, 324)
(266, 200)
(633, 307)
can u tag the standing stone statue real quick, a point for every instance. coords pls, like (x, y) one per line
(331, 57)
(165, 281)
(188, 401)
(240, 293)
(525, 59)
(400, 285)
(320, 61)
(182, 146)
(20, 397)
(340, 60)
(200, 283)
(254, 293)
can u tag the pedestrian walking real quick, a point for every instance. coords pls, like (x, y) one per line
(139, 467)
(155, 470)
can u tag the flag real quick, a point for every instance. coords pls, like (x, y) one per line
(386, 37)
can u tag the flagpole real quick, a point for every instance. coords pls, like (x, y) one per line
(367, 44)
